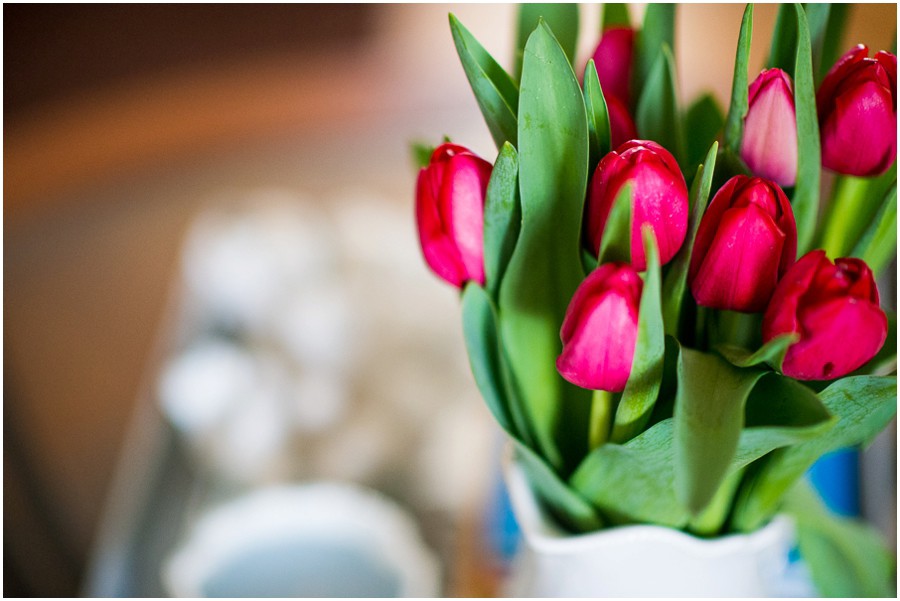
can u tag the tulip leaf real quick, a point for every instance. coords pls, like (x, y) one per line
(863, 406)
(614, 14)
(710, 521)
(771, 353)
(676, 279)
(502, 216)
(846, 557)
(657, 117)
(615, 242)
(805, 201)
(658, 30)
(633, 482)
(737, 110)
(597, 116)
(704, 120)
(562, 20)
(851, 210)
(709, 416)
(421, 154)
(643, 384)
(545, 268)
(784, 40)
(564, 504)
(826, 27)
(878, 244)
(494, 89)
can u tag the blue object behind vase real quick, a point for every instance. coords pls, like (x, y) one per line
(836, 478)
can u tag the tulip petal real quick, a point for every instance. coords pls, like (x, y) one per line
(438, 248)
(769, 144)
(466, 185)
(660, 200)
(859, 136)
(613, 58)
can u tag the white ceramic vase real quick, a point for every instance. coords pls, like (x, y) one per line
(646, 561)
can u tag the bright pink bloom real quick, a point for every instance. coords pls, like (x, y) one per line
(769, 146)
(621, 126)
(857, 105)
(834, 308)
(599, 332)
(613, 58)
(746, 241)
(450, 213)
(659, 197)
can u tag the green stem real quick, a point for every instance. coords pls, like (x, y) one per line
(602, 410)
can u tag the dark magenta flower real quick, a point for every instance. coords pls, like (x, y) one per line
(450, 213)
(621, 126)
(659, 198)
(613, 58)
(769, 145)
(746, 241)
(857, 105)
(599, 332)
(834, 309)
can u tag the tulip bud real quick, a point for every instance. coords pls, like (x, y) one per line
(599, 332)
(450, 213)
(857, 105)
(621, 126)
(769, 145)
(613, 58)
(659, 197)
(833, 307)
(746, 241)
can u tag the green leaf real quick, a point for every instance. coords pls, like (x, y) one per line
(676, 279)
(709, 416)
(710, 521)
(565, 505)
(597, 116)
(828, 47)
(421, 154)
(878, 244)
(784, 39)
(615, 242)
(737, 110)
(494, 89)
(614, 14)
(643, 384)
(545, 268)
(805, 201)
(502, 216)
(657, 31)
(771, 353)
(562, 20)
(657, 116)
(863, 405)
(704, 120)
(634, 482)
(852, 209)
(847, 558)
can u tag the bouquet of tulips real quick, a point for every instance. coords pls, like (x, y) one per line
(673, 312)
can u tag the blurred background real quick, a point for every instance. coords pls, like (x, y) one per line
(213, 288)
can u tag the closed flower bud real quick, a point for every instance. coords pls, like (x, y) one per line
(613, 58)
(833, 307)
(857, 105)
(769, 145)
(746, 241)
(621, 126)
(450, 213)
(599, 332)
(659, 197)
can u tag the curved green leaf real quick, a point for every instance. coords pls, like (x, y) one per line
(863, 405)
(494, 89)
(502, 216)
(709, 416)
(643, 384)
(597, 116)
(657, 116)
(783, 47)
(614, 14)
(545, 268)
(658, 30)
(771, 353)
(827, 45)
(615, 242)
(878, 244)
(562, 20)
(851, 210)
(704, 120)
(737, 110)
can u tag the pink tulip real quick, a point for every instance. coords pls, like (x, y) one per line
(450, 213)
(833, 307)
(621, 126)
(746, 241)
(613, 58)
(599, 332)
(769, 145)
(857, 105)
(659, 197)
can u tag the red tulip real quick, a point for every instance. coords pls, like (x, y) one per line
(833, 307)
(659, 197)
(599, 332)
(450, 213)
(621, 126)
(613, 58)
(746, 241)
(769, 145)
(857, 105)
